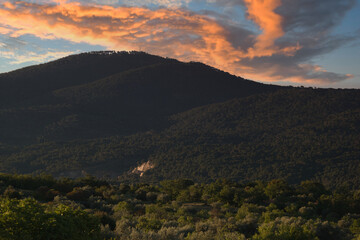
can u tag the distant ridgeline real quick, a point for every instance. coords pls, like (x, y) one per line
(109, 113)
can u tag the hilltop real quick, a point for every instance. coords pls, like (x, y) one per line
(107, 113)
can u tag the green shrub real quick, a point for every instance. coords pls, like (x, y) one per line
(29, 220)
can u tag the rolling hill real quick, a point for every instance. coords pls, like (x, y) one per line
(106, 113)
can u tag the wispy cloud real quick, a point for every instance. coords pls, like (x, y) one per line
(11, 44)
(165, 3)
(34, 57)
(281, 52)
(4, 30)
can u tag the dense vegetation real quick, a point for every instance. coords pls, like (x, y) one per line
(41, 207)
(106, 113)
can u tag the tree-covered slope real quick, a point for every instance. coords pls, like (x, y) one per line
(25, 86)
(185, 119)
(296, 134)
(104, 94)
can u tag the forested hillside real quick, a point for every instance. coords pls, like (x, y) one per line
(101, 94)
(106, 113)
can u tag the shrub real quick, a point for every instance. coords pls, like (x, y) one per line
(28, 219)
(285, 228)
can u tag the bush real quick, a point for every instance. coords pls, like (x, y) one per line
(28, 219)
(148, 224)
(11, 192)
(285, 228)
(79, 194)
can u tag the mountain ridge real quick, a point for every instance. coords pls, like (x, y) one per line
(152, 91)
(187, 119)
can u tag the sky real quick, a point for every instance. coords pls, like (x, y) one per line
(287, 42)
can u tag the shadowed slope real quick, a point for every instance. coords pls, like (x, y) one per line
(71, 99)
(188, 120)
(20, 87)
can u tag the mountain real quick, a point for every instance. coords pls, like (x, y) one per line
(107, 113)
(19, 87)
(107, 93)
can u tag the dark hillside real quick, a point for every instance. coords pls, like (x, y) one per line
(107, 113)
(20, 87)
(104, 94)
(295, 134)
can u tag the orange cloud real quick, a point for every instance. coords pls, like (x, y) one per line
(9, 5)
(170, 32)
(4, 30)
(263, 13)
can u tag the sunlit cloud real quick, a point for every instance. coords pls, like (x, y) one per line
(167, 3)
(271, 55)
(4, 30)
(263, 13)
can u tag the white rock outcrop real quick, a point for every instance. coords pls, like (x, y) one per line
(143, 168)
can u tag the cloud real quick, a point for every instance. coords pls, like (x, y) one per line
(39, 58)
(313, 16)
(33, 57)
(167, 3)
(11, 44)
(296, 73)
(263, 13)
(4, 30)
(281, 52)
(227, 3)
(299, 68)
(171, 32)
(164, 3)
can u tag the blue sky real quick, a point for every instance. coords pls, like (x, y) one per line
(287, 42)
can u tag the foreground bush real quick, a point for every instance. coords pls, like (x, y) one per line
(27, 219)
